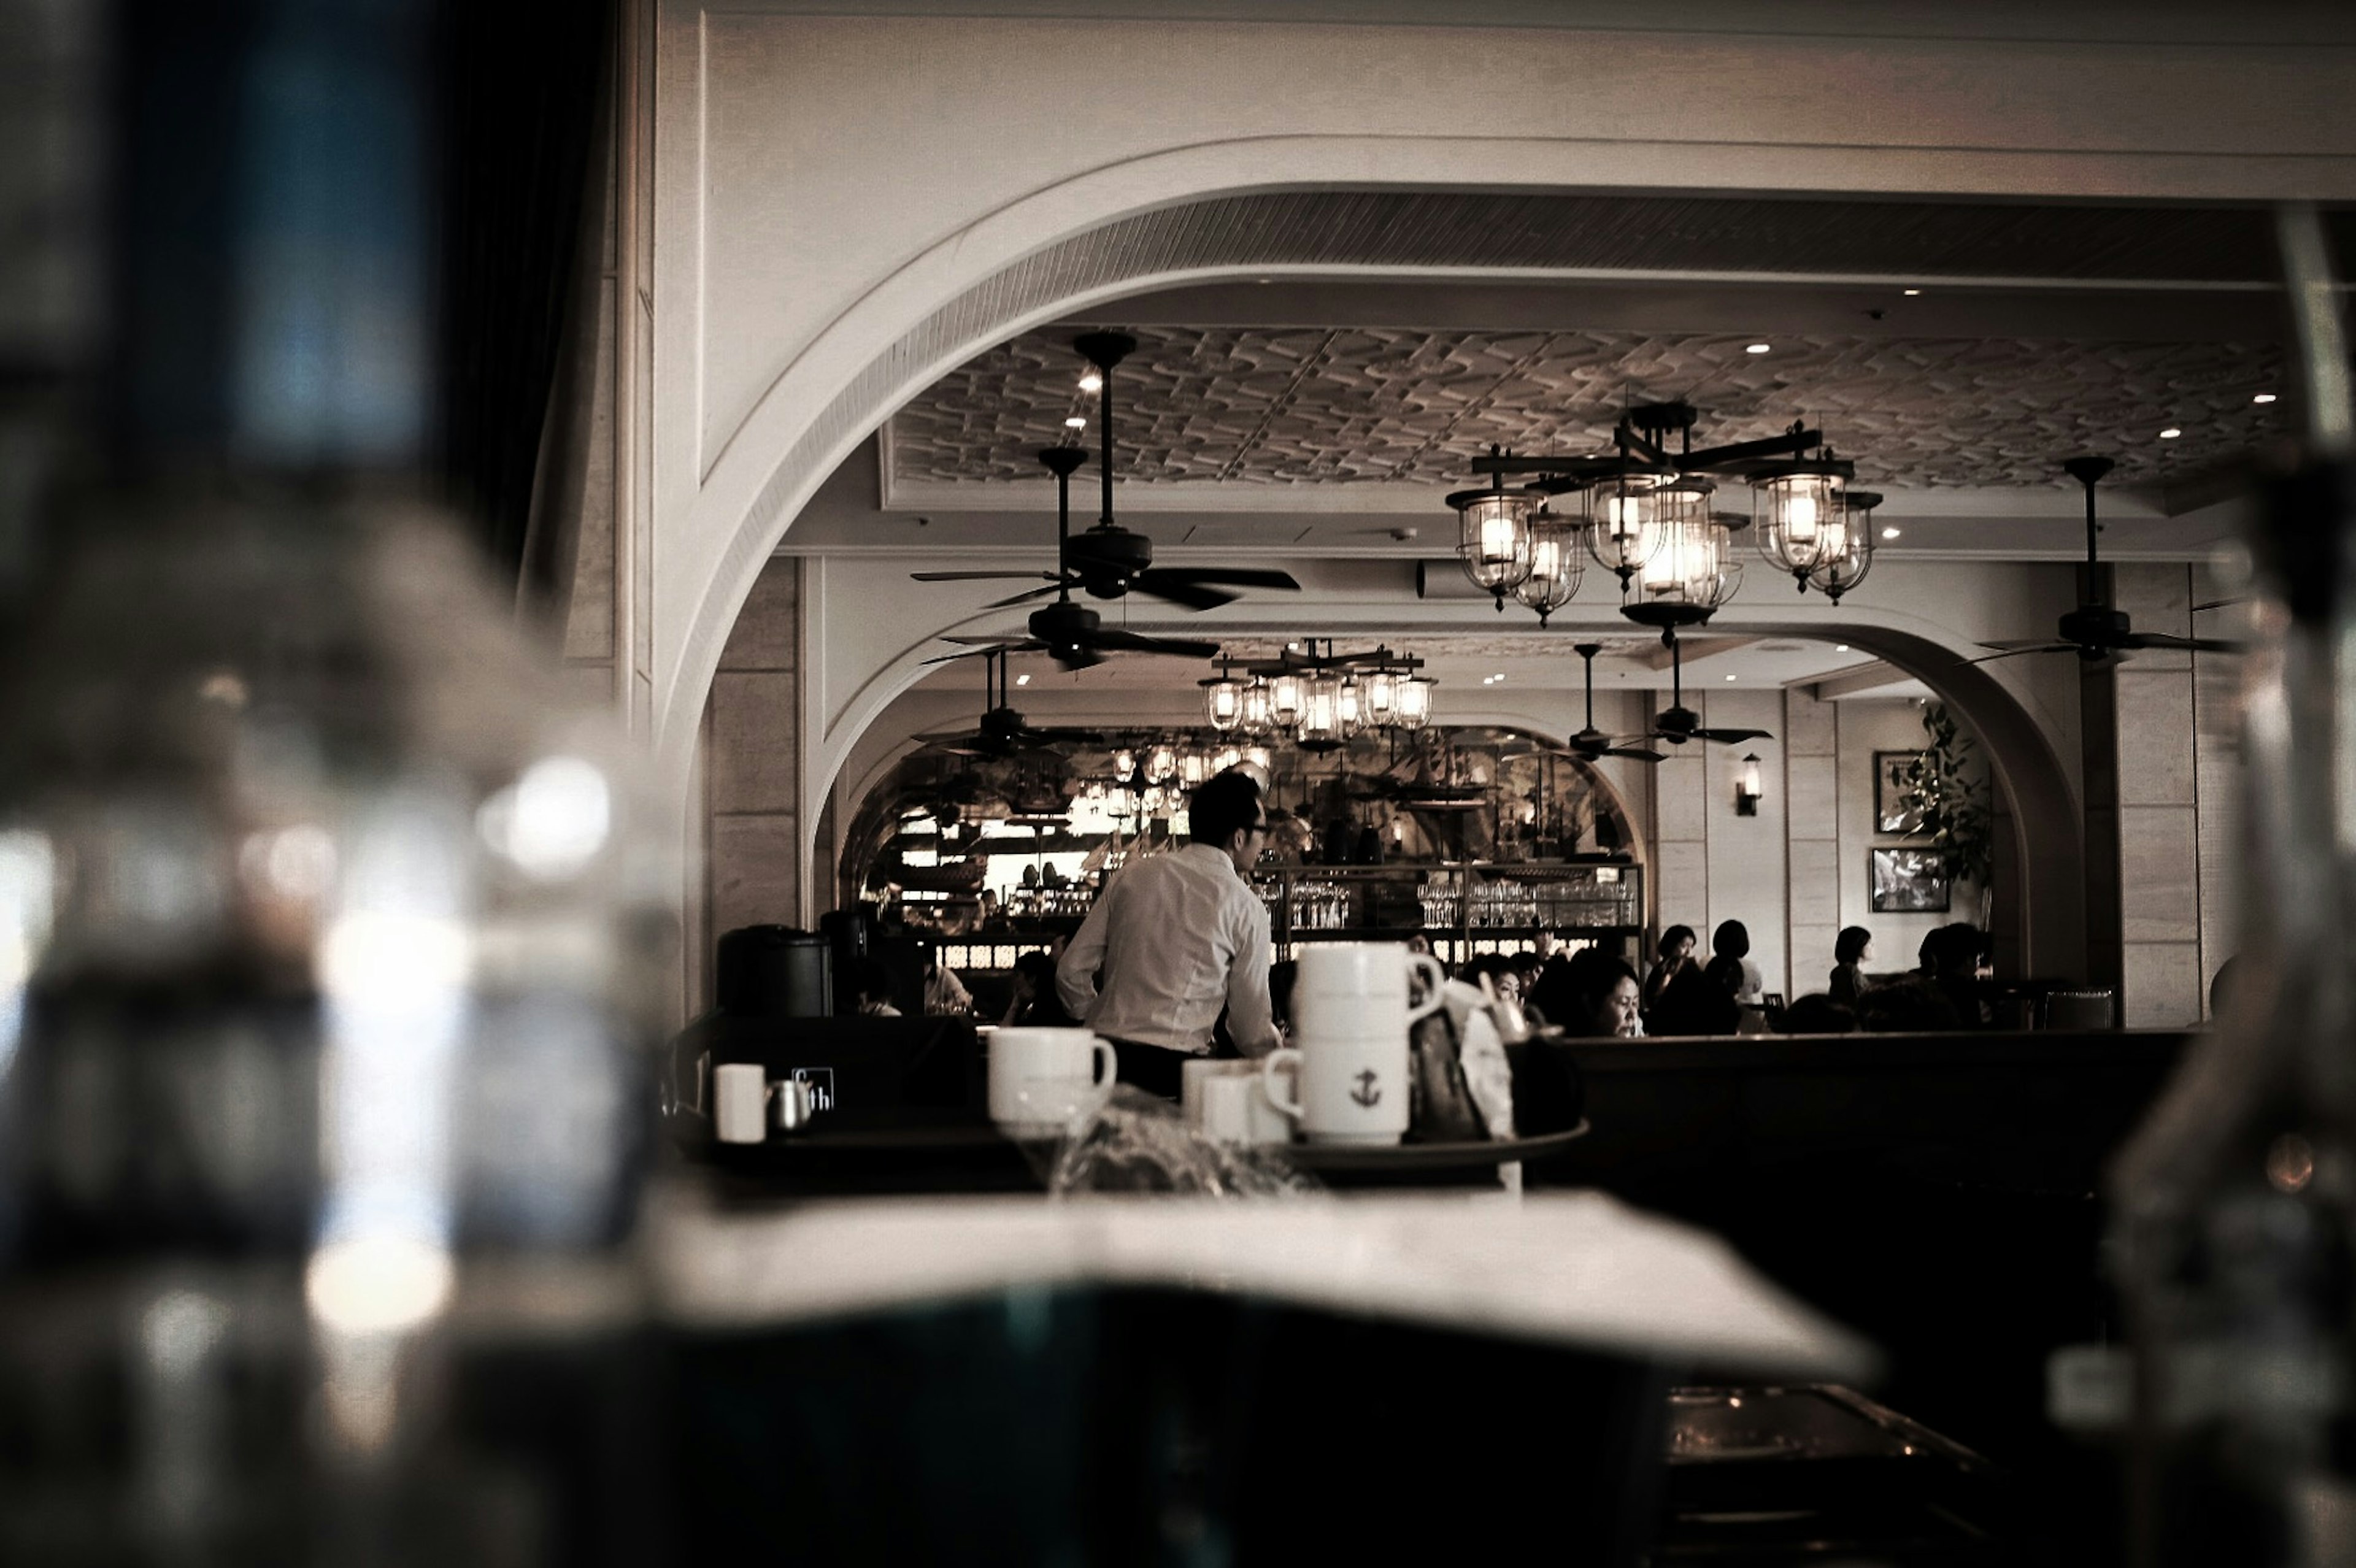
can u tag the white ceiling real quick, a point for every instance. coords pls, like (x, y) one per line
(1956, 352)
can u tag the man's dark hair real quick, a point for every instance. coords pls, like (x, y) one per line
(1731, 939)
(1850, 944)
(1220, 805)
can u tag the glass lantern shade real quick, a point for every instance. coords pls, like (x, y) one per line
(1555, 565)
(1125, 763)
(1692, 570)
(1349, 705)
(1380, 697)
(1623, 522)
(1223, 701)
(1193, 767)
(1847, 552)
(1800, 518)
(1413, 703)
(1255, 716)
(1321, 719)
(1287, 696)
(1493, 536)
(1160, 763)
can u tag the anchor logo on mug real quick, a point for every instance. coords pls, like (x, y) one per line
(1365, 1093)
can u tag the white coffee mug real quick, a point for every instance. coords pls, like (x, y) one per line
(1234, 1108)
(1041, 1079)
(1348, 1067)
(740, 1102)
(1349, 990)
(1196, 1071)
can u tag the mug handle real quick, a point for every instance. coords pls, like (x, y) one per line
(1435, 980)
(1283, 1055)
(1108, 1069)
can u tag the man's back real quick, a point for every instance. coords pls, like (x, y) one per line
(1175, 938)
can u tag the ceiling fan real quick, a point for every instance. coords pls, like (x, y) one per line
(1677, 724)
(1109, 561)
(1590, 743)
(2093, 630)
(1004, 733)
(1073, 635)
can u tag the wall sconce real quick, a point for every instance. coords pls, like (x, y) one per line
(1749, 788)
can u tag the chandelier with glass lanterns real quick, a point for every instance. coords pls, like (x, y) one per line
(1646, 512)
(1319, 698)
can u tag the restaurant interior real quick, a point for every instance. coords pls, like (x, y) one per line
(597, 597)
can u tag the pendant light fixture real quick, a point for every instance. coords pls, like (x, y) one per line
(1380, 697)
(1258, 717)
(1848, 555)
(1288, 695)
(1413, 703)
(1321, 719)
(1555, 564)
(1797, 512)
(1223, 698)
(1493, 535)
(1694, 570)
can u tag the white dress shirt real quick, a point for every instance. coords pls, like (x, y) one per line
(1173, 940)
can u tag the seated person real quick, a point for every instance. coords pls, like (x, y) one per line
(1818, 1013)
(1603, 998)
(1695, 1003)
(1905, 1007)
(1850, 951)
(871, 988)
(1034, 1004)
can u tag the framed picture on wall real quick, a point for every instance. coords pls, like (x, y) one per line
(1906, 881)
(1891, 812)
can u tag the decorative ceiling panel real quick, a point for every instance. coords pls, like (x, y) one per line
(1277, 406)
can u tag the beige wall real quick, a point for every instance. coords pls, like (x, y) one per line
(753, 760)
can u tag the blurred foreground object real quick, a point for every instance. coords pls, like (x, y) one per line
(327, 951)
(2236, 1206)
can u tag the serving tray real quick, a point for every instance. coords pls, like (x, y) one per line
(1428, 1156)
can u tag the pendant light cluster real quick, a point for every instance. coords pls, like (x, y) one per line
(1319, 700)
(1646, 514)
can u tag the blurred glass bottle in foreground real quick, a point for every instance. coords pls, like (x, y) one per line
(326, 957)
(2236, 1205)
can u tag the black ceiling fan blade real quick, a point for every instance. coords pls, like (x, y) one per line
(2027, 645)
(977, 576)
(1733, 737)
(2217, 604)
(1000, 641)
(1027, 595)
(1227, 577)
(2016, 653)
(2186, 644)
(1194, 595)
(1076, 658)
(1633, 754)
(1111, 639)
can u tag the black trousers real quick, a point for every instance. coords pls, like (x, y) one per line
(1153, 1068)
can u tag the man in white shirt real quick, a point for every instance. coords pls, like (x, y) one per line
(1174, 939)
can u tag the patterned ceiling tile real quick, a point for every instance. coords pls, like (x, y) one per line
(1273, 406)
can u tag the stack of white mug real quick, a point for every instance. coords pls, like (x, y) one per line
(1347, 1066)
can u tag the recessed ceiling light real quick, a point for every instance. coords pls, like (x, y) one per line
(1021, 680)
(1910, 293)
(1758, 349)
(1729, 678)
(1075, 423)
(2263, 398)
(2171, 434)
(1841, 647)
(1890, 533)
(1499, 675)
(1092, 382)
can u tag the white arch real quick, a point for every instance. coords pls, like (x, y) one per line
(1032, 260)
